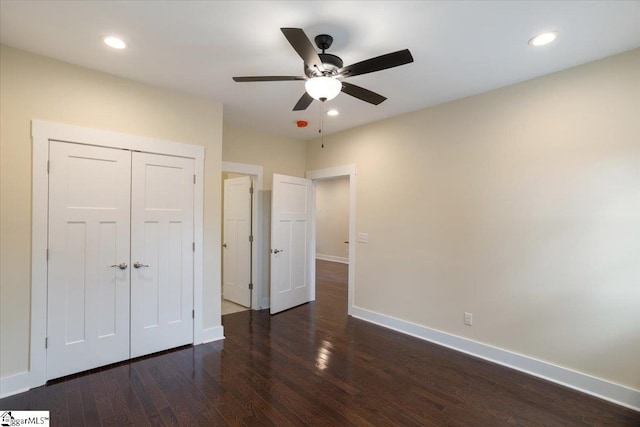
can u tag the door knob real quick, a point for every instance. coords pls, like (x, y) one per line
(121, 266)
(138, 265)
(275, 251)
(224, 245)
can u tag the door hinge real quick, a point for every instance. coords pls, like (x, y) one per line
(194, 178)
(193, 314)
(47, 254)
(251, 239)
(46, 342)
(250, 190)
(193, 246)
(48, 165)
(250, 286)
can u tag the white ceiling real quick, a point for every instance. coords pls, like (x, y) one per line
(460, 48)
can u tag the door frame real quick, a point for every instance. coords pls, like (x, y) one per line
(256, 172)
(41, 133)
(336, 172)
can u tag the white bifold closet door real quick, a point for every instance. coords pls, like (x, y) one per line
(110, 210)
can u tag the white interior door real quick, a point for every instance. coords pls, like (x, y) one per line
(88, 272)
(291, 204)
(236, 247)
(161, 252)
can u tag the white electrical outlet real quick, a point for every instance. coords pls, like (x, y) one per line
(468, 319)
(363, 237)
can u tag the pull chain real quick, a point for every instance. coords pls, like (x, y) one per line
(321, 130)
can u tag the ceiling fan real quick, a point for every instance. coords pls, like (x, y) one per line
(324, 72)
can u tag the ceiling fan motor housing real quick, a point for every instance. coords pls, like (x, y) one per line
(331, 63)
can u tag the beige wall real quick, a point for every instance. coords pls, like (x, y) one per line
(332, 218)
(35, 87)
(520, 205)
(276, 154)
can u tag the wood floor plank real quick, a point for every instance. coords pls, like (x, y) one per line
(54, 400)
(144, 397)
(74, 402)
(210, 394)
(116, 394)
(314, 365)
(146, 386)
(102, 400)
(125, 397)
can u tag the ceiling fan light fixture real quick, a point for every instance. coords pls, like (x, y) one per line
(323, 88)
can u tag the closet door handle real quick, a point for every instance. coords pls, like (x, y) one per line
(121, 266)
(138, 265)
(275, 251)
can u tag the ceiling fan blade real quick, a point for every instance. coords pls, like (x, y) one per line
(304, 101)
(267, 78)
(362, 93)
(301, 43)
(378, 63)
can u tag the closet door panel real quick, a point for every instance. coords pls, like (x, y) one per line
(88, 271)
(161, 252)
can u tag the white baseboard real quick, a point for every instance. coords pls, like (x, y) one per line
(15, 384)
(332, 258)
(266, 303)
(597, 387)
(212, 334)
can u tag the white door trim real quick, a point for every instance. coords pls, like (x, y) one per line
(41, 133)
(256, 265)
(335, 172)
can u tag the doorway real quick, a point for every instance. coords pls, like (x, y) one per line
(241, 274)
(332, 219)
(341, 181)
(332, 242)
(293, 238)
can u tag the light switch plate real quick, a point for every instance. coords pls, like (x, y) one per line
(468, 319)
(363, 237)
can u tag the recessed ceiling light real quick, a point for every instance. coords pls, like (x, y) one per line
(114, 42)
(542, 39)
(333, 113)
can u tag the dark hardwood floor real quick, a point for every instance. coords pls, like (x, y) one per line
(314, 365)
